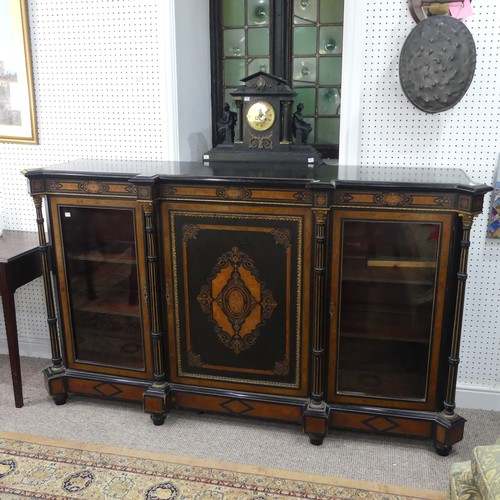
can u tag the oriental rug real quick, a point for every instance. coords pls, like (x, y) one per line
(39, 467)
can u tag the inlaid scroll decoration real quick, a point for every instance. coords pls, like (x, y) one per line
(320, 200)
(189, 232)
(282, 237)
(195, 360)
(167, 190)
(52, 186)
(237, 302)
(144, 192)
(393, 199)
(131, 188)
(282, 368)
(234, 193)
(464, 203)
(261, 141)
(93, 187)
(345, 197)
(442, 201)
(303, 196)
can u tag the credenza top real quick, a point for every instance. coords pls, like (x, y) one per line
(277, 173)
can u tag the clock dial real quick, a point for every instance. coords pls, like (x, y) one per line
(261, 116)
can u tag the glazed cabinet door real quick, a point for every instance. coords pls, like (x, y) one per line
(389, 276)
(238, 312)
(98, 261)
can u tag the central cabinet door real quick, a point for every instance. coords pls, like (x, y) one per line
(238, 310)
(388, 292)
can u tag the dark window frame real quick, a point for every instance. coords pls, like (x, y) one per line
(281, 47)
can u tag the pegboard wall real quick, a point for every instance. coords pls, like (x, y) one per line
(395, 133)
(98, 94)
(97, 70)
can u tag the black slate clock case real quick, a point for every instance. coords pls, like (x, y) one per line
(264, 125)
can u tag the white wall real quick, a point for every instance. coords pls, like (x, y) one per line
(112, 78)
(193, 77)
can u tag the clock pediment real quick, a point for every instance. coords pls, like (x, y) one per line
(262, 83)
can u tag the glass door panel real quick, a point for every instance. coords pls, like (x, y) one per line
(101, 274)
(388, 276)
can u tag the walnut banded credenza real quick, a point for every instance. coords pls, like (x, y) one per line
(325, 297)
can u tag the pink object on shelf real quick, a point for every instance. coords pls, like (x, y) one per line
(461, 10)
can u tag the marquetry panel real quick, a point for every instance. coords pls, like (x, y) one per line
(235, 194)
(386, 199)
(84, 187)
(240, 407)
(240, 306)
(381, 424)
(110, 390)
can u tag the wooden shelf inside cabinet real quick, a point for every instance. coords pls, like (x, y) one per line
(108, 294)
(107, 306)
(125, 257)
(384, 325)
(403, 271)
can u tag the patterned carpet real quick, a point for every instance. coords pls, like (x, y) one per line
(38, 467)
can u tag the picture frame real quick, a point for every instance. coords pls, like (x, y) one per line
(17, 97)
(494, 218)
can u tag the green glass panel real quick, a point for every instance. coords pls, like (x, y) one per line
(328, 131)
(258, 64)
(305, 11)
(328, 101)
(258, 12)
(234, 42)
(304, 41)
(330, 71)
(258, 41)
(330, 40)
(331, 11)
(234, 71)
(304, 70)
(306, 96)
(233, 12)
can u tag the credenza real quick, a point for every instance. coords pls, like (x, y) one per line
(327, 297)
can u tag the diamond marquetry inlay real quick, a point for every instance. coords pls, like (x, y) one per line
(380, 424)
(236, 407)
(108, 390)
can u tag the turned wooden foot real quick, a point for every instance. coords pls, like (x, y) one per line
(60, 399)
(316, 439)
(442, 449)
(158, 419)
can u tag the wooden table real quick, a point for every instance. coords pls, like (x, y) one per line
(19, 264)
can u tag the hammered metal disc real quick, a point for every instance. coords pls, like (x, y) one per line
(437, 63)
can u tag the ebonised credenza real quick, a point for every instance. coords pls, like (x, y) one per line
(325, 297)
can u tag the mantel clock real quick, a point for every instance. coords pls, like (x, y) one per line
(263, 127)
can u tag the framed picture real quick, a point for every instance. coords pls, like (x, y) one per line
(494, 219)
(17, 102)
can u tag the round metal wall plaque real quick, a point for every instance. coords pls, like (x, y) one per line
(437, 63)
